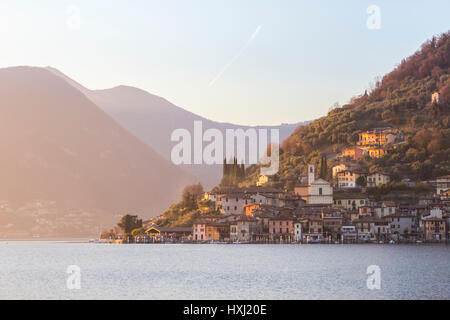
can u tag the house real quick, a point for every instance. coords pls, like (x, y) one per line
(243, 228)
(376, 152)
(209, 196)
(313, 229)
(249, 209)
(217, 231)
(317, 191)
(284, 200)
(353, 153)
(381, 229)
(377, 178)
(366, 211)
(403, 225)
(347, 178)
(371, 229)
(436, 97)
(350, 201)
(331, 226)
(199, 230)
(386, 208)
(379, 137)
(434, 229)
(340, 167)
(348, 234)
(281, 228)
(263, 179)
(434, 226)
(233, 200)
(442, 184)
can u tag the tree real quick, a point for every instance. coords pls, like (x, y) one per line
(128, 222)
(138, 232)
(361, 181)
(323, 168)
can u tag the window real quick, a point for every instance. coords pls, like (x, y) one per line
(320, 191)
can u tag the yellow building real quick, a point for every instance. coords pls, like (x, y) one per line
(350, 201)
(376, 137)
(376, 152)
(262, 180)
(153, 232)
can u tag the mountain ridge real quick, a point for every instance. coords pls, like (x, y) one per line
(58, 145)
(152, 119)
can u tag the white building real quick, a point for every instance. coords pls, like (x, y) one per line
(442, 184)
(297, 231)
(377, 178)
(317, 191)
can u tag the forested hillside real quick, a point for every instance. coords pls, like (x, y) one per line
(401, 100)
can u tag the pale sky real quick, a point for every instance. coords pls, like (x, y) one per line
(241, 61)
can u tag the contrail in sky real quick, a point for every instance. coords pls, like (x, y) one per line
(252, 37)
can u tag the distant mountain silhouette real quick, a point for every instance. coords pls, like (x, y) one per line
(57, 145)
(153, 119)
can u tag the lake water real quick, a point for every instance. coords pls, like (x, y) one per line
(37, 270)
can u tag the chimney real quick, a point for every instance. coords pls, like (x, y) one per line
(310, 173)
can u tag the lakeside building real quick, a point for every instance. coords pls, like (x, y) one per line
(403, 225)
(434, 226)
(372, 229)
(243, 228)
(281, 228)
(349, 234)
(314, 229)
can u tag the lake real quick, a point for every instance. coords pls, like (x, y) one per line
(38, 270)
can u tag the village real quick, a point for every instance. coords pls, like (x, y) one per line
(332, 206)
(318, 211)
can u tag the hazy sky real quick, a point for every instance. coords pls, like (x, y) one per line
(241, 61)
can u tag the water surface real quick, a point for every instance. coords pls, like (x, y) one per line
(37, 270)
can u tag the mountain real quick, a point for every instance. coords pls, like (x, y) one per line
(401, 101)
(57, 145)
(153, 119)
